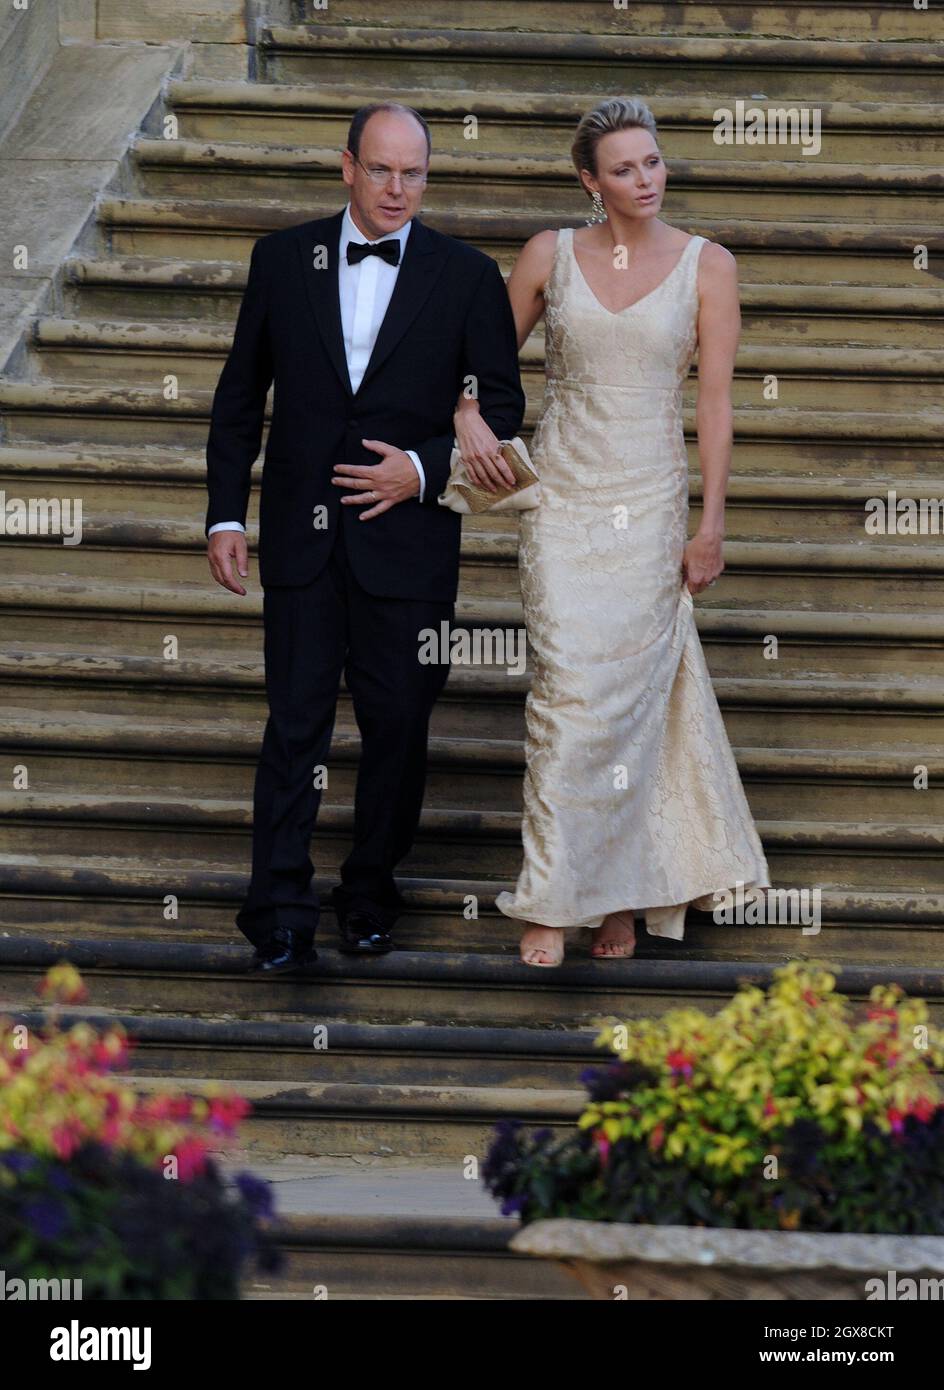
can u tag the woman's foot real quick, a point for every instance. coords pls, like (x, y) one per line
(615, 939)
(543, 946)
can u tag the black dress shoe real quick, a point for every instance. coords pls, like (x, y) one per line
(283, 952)
(363, 934)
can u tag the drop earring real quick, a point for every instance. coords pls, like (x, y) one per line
(598, 210)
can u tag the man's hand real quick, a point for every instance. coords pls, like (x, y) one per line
(224, 549)
(382, 485)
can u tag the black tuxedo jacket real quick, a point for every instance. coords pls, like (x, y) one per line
(449, 319)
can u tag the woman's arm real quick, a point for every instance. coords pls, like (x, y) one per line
(477, 443)
(719, 325)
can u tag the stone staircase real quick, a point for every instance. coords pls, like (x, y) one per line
(133, 686)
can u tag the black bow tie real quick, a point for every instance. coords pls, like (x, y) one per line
(388, 251)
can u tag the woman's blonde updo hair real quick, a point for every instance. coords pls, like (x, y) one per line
(616, 113)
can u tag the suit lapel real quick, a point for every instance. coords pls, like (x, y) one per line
(321, 286)
(422, 262)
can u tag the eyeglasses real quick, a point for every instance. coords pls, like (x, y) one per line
(380, 174)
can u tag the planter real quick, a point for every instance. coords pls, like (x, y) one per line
(616, 1261)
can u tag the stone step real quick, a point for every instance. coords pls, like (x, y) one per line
(895, 855)
(831, 377)
(74, 690)
(334, 1119)
(372, 1228)
(812, 252)
(831, 510)
(871, 711)
(112, 761)
(789, 19)
(804, 469)
(173, 500)
(384, 1228)
(809, 189)
(213, 759)
(117, 622)
(447, 988)
(54, 413)
(121, 899)
(375, 1055)
(515, 122)
(470, 790)
(598, 64)
(351, 1256)
(118, 900)
(863, 581)
(185, 741)
(110, 287)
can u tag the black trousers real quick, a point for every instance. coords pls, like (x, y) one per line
(313, 633)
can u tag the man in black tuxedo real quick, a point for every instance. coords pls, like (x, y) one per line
(370, 324)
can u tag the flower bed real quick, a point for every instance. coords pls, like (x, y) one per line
(102, 1184)
(782, 1111)
(788, 1110)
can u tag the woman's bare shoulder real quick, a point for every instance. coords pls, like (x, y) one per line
(717, 270)
(716, 259)
(536, 258)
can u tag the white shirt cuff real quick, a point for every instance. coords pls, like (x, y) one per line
(419, 468)
(226, 526)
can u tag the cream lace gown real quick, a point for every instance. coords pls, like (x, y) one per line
(632, 798)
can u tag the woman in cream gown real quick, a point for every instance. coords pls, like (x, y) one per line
(632, 799)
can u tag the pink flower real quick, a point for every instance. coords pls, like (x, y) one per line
(226, 1112)
(112, 1105)
(65, 1140)
(681, 1063)
(191, 1158)
(111, 1132)
(107, 1055)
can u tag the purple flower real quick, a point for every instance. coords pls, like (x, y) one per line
(614, 1080)
(19, 1162)
(513, 1206)
(48, 1217)
(60, 1179)
(257, 1193)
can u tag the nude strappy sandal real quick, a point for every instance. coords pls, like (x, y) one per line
(614, 950)
(556, 957)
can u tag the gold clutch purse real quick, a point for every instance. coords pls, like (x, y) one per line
(461, 494)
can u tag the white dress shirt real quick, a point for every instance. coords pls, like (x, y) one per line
(365, 290)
